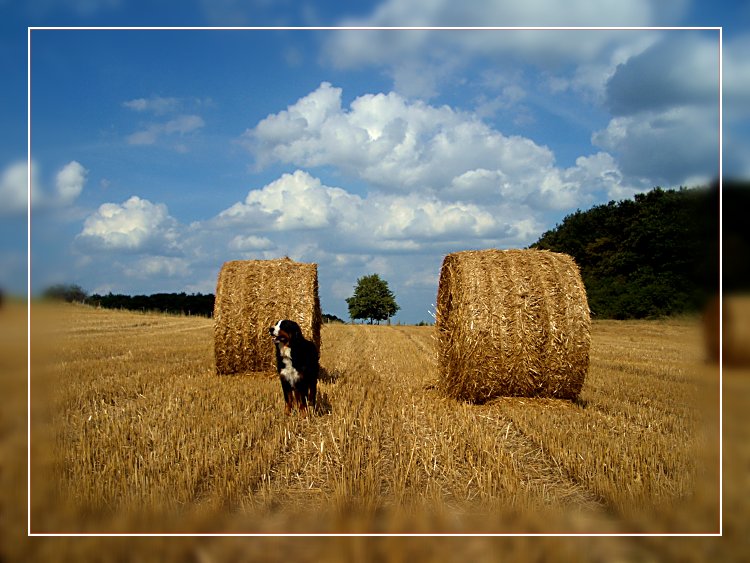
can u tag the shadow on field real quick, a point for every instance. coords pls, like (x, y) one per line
(323, 404)
(580, 402)
(328, 376)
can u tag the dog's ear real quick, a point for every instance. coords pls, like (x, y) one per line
(296, 331)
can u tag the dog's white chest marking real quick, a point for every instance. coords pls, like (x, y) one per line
(288, 372)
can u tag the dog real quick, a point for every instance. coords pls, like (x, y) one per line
(298, 365)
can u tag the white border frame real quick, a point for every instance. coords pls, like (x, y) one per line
(719, 29)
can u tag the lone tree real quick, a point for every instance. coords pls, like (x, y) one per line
(372, 300)
(68, 292)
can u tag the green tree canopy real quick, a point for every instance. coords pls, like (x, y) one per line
(65, 292)
(372, 300)
(639, 258)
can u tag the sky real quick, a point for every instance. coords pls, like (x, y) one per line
(157, 155)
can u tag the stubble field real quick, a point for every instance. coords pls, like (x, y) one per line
(132, 432)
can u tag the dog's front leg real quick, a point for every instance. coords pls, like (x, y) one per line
(300, 399)
(311, 393)
(288, 396)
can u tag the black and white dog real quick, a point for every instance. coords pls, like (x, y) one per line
(297, 364)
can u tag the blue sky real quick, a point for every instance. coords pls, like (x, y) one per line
(157, 155)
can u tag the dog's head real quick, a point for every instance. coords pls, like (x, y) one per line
(285, 332)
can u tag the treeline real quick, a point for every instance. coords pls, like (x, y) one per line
(176, 303)
(173, 303)
(652, 256)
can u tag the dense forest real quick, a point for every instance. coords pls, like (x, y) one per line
(652, 256)
(182, 303)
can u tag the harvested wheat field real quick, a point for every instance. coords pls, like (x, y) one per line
(133, 431)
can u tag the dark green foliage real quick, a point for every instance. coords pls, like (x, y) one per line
(736, 235)
(372, 300)
(646, 257)
(69, 293)
(177, 303)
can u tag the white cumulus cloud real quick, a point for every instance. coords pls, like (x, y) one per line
(294, 201)
(419, 218)
(14, 189)
(401, 146)
(70, 181)
(346, 222)
(395, 144)
(134, 225)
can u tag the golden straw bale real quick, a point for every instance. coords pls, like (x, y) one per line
(511, 323)
(251, 296)
(734, 339)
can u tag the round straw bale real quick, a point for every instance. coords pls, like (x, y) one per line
(251, 296)
(511, 323)
(734, 338)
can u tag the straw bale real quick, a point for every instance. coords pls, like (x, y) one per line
(511, 323)
(251, 296)
(734, 339)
